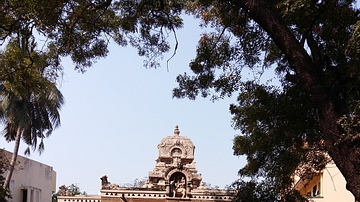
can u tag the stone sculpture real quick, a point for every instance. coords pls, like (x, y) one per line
(105, 184)
(62, 190)
(202, 186)
(65, 192)
(147, 185)
(178, 187)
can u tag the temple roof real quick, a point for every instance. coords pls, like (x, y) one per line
(176, 145)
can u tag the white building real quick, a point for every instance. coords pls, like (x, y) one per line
(31, 181)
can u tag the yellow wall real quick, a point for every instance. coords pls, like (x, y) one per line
(54, 181)
(308, 188)
(332, 186)
(335, 185)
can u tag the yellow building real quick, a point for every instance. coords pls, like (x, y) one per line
(326, 186)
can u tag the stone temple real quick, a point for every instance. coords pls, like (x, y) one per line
(174, 178)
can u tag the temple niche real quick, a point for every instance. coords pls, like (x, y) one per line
(175, 167)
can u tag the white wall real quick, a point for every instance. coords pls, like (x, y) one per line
(37, 178)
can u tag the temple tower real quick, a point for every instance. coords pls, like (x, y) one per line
(174, 178)
(175, 167)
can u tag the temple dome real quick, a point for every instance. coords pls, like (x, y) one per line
(176, 146)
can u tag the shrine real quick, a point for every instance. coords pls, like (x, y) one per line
(174, 178)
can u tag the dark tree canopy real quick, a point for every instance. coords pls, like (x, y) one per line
(312, 46)
(82, 29)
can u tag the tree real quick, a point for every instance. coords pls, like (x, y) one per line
(30, 102)
(82, 29)
(252, 191)
(312, 45)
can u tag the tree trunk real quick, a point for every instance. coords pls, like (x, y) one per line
(13, 158)
(346, 155)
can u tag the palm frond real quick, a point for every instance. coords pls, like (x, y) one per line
(36, 112)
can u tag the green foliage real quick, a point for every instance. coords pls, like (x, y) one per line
(280, 134)
(351, 124)
(54, 197)
(29, 99)
(260, 192)
(5, 194)
(82, 29)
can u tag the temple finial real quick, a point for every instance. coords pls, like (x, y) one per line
(176, 131)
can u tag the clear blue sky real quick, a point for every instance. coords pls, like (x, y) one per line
(116, 114)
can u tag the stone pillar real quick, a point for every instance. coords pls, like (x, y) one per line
(167, 189)
(188, 189)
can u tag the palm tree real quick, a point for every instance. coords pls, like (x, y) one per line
(29, 102)
(31, 117)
